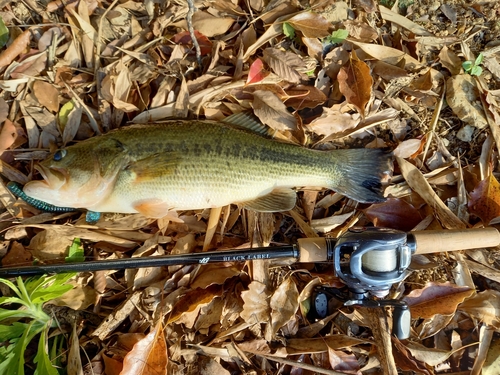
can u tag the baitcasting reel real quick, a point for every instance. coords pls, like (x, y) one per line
(369, 261)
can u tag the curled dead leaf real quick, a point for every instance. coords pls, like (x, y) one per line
(485, 199)
(484, 306)
(149, 356)
(355, 83)
(312, 25)
(284, 303)
(15, 49)
(436, 299)
(256, 303)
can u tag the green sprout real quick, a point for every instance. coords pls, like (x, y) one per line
(473, 68)
(288, 30)
(338, 36)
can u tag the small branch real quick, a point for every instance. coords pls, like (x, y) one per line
(189, 19)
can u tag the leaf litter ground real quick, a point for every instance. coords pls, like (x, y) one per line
(322, 74)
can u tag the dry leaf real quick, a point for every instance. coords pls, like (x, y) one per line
(78, 298)
(192, 300)
(284, 303)
(209, 25)
(8, 135)
(287, 65)
(408, 148)
(417, 182)
(272, 112)
(322, 344)
(355, 83)
(462, 96)
(4, 110)
(436, 299)
(312, 25)
(15, 49)
(17, 256)
(256, 304)
(405, 361)
(430, 356)
(257, 72)
(344, 362)
(484, 200)
(484, 306)
(47, 95)
(74, 360)
(333, 121)
(302, 96)
(450, 61)
(394, 213)
(149, 356)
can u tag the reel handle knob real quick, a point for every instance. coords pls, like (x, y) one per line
(401, 321)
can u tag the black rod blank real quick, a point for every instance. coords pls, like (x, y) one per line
(156, 261)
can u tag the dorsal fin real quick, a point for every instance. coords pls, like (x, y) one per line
(249, 121)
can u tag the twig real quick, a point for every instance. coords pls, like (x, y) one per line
(189, 19)
(377, 319)
(304, 366)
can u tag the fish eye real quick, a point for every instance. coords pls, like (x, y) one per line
(59, 155)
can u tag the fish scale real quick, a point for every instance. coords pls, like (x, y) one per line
(194, 164)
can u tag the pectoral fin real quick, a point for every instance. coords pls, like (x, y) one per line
(277, 200)
(152, 208)
(154, 166)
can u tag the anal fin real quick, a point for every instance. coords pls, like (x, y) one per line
(282, 199)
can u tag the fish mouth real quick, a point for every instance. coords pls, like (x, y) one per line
(53, 177)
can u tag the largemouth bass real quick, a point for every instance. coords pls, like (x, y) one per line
(195, 164)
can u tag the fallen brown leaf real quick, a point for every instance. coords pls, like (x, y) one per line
(312, 25)
(149, 356)
(355, 82)
(436, 299)
(17, 47)
(484, 200)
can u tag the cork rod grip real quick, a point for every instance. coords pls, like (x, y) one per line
(430, 241)
(312, 250)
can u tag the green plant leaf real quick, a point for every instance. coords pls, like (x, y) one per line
(288, 30)
(479, 59)
(64, 113)
(5, 314)
(15, 330)
(15, 365)
(476, 70)
(338, 36)
(75, 252)
(53, 287)
(467, 65)
(43, 364)
(6, 357)
(4, 33)
(4, 300)
(11, 285)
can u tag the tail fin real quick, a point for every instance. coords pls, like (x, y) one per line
(361, 172)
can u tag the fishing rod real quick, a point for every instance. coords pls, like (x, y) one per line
(368, 249)
(367, 260)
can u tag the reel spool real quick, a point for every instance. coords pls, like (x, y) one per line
(372, 259)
